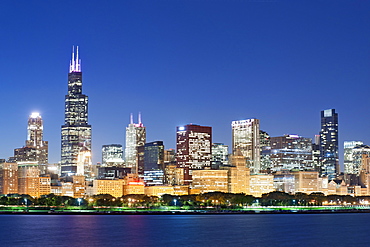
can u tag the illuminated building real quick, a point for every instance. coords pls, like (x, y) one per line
(261, 184)
(112, 155)
(306, 181)
(28, 178)
(290, 152)
(133, 184)
(111, 187)
(358, 154)
(265, 151)
(154, 156)
(151, 157)
(246, 138)
(365, 173)
(135, 137)
(239, 175)
(174, 175)
(316, 153)
(159, 190)
(112, 172)
(153, 177)
(84, 164)
(210, 180)
(8, 178)
(220, 153)
(36, 149)
(76, 132)
(44, 187)
(193, 145)
(348, 156)
(329, 159)
(79, 186)
(169, 156)
(284, 182)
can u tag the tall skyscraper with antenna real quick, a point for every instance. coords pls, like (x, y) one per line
(76, 132)
(135, 137)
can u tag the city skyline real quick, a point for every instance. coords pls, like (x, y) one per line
(233, 61)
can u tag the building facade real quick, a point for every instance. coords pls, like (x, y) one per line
(112, 155)
(36, 149)
(194, 149)
(246, 138)
(359, 152)
(8, 178)
(329, 158)
(135, 137)
(348, 156)
(291, 152)
(154, 156)
(220, 154)
(76, 132)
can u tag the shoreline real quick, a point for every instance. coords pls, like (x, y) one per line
(185, 212)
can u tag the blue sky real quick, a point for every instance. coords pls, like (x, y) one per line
(179, 62)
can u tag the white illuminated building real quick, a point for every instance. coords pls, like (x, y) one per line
(135, 137)
(84, 164)
(348, 156)
(112, 155)
(246, 138)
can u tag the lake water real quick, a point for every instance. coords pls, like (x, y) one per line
(186, 230)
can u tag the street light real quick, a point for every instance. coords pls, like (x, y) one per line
(174, 200)
(79, 201)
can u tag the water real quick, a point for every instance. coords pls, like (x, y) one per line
(186, 230)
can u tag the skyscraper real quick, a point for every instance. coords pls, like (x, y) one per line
(76, 132)
(36, 148)
(112, 155)
(135, 137)
(348, 156)
(220, 155)
(194, 145)
(290, 152)
(329, 158)
(246, 138)
(154, 156)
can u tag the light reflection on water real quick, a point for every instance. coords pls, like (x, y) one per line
(185, 230)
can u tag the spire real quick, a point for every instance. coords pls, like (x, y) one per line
(75, 63)
(139, 118)
(131, 119)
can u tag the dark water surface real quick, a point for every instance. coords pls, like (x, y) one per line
(186, 230)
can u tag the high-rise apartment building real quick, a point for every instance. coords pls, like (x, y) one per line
(246, 138)
(36, 149)
(329, 158)
(194, 145)
(348, 156)
(135, 137)
(112, 155)
(76, 132)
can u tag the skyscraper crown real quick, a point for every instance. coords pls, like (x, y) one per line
(75, 63)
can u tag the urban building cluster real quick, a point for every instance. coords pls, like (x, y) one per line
(258, 163)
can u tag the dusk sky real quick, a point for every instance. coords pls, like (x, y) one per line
(178, 62)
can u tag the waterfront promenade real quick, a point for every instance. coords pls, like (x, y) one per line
(181, 210)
